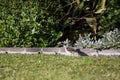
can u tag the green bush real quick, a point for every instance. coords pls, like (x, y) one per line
(110, 18)
(42, 23)
(24, 24)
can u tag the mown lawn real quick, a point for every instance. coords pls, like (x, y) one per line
(57, 67)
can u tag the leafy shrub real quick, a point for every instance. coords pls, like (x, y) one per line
(42, 23)
(23, 24)
(109, 40)
(110, 18)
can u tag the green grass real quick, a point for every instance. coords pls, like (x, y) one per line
(57, 67)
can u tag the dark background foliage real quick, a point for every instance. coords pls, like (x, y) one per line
(43, 23)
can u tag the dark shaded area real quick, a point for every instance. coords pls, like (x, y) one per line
(81, 53)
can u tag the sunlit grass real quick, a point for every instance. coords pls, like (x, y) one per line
(57, 67)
